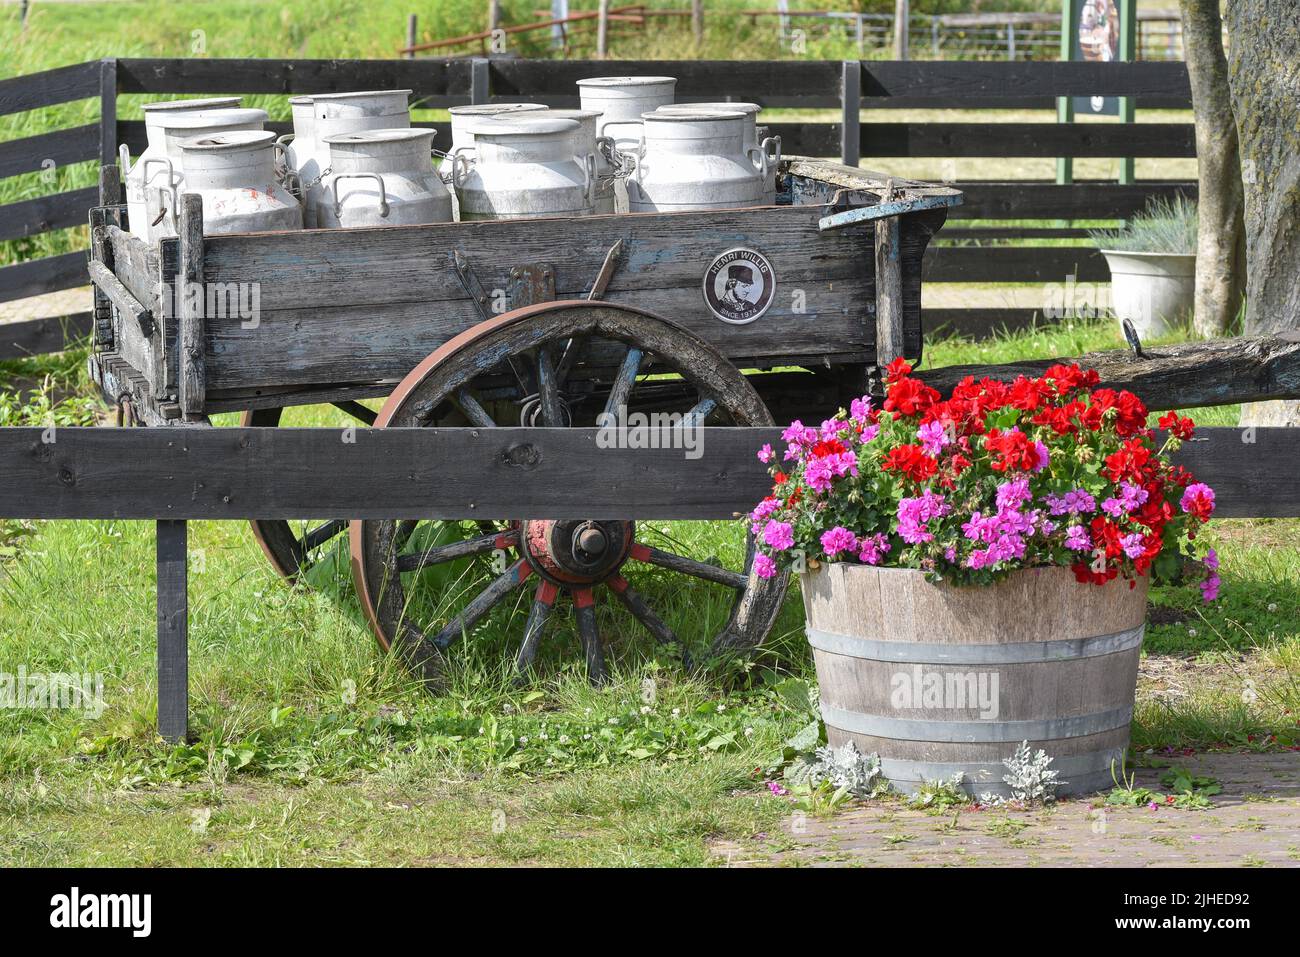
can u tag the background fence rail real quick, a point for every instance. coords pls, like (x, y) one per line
(1051, 209)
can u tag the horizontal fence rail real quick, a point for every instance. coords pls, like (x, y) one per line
(239, 473)
(847, 87)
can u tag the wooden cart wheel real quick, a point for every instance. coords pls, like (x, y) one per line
(552, 364)
(293, 550)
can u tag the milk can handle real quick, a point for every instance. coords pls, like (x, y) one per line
(605, 128)
(283, 169)
(761, 163)
(293, 183)
(383, 196)
(459, 168)
(124, 159)
(164, 160)
(775, 155)
(589, 177)
(606, 146)
(170, 209)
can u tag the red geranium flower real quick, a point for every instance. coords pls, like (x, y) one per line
(1181, 427)
(911, 461)
(1013, 451)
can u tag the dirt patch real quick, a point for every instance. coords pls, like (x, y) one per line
(1255, 821)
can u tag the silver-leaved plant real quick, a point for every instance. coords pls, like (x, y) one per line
(844, 768)
(1029, 777)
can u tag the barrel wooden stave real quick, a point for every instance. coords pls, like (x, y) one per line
(1064, 657)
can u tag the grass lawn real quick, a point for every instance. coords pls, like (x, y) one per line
(311, 747)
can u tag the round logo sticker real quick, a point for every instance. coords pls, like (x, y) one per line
(739, 286)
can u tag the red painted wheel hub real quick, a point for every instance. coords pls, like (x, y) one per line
(576, 551)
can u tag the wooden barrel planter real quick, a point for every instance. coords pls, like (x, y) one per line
(938, 679)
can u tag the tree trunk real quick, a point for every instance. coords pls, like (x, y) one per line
(1221, 237)
(697, 21)
(1264, 76)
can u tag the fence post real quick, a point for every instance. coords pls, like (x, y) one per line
(412, 34)
(902, 24)
(850, 104)
(173, 630)
(1127, 104)
(107, 111)
(479, 81)
(1065, 104)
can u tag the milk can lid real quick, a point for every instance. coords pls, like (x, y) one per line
(381, 136)
(492, 109)
(229, 140)
(712, 107)
(521, 126)
(598, 81)
(202, 118)
(357, 94)
(182, 106)
(671, 115)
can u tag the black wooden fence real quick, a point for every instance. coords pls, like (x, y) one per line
(847, 86)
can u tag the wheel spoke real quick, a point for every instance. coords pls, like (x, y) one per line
(568, 359)
(543, 602)
(321, 534)
(476, 414)
(623, 381)
(584, 610)
(646, 615)
(413, 561)
(548, 389)
(357, 411)
(700, 411)
(688, 566)
(482, 603)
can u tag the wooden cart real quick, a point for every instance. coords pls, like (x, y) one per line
(726, 317)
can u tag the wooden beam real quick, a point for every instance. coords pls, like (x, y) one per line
(38, 336)
(238, 473)
(1184, 376)
(193, 377)
(173, 630)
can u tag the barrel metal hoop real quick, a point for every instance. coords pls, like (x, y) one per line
(995, 654)
(976, 732)
(991, 771)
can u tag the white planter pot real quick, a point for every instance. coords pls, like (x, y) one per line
(133, 176)
(1154, 291)
(695, 160)
(166, 176)
(337, 113)
(234, 173)
(524, 169)
(383, 178)
(621, 100)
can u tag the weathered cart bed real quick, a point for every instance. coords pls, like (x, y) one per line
(732, 316)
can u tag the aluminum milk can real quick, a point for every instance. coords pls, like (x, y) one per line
(621, 101)
(770, 144)
(586, 140)
(165, 176)
(524, 169)
(133, 176)
(463, 117)
(334, 113)
(234, 172)
(383, 178)
(695, 160)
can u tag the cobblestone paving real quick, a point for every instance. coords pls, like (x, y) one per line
(1255, 821)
